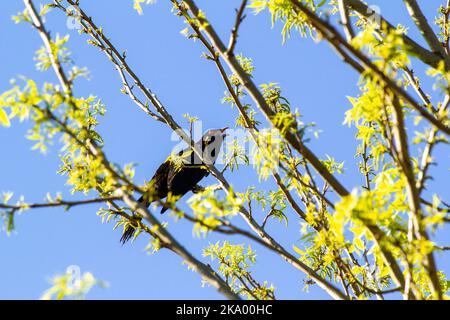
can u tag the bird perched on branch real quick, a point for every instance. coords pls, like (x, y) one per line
(180, 173)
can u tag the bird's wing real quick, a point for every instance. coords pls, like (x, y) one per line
(172, 173)
(160, 178)
(184, 160)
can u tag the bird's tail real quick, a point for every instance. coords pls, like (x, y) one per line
(131, 227)
(127, 234)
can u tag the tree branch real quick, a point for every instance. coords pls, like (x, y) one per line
(259, 99)
(425, 29)
(345, 20)
(170, 242)
(426, 161)
(234, 32)
(337, 41)
(323, 283)
(58, 203)
(377, 233)
(160, 232)
(45, 36)
(413, 48)
(413, 196)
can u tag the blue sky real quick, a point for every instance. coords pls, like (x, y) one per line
(47, 241)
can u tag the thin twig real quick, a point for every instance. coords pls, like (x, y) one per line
(234, 32)
(57, 203)
(345, 20)
(45, 37)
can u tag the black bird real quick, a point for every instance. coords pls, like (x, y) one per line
(180, 173)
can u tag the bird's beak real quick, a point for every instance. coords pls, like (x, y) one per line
(223, 131)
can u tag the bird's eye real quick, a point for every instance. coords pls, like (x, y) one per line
(210, 140)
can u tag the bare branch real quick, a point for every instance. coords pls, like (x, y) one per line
(416, 226)
(234, 32)
(416, 85)
(345, 20)
(57, 203)
(425, 29)
(426, 161)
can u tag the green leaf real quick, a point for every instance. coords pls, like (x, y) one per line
(137, 6)
(4, 120)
